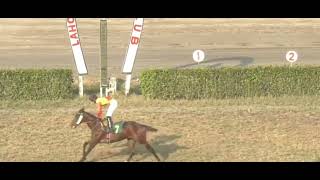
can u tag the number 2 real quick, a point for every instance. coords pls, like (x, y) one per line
(291, 57)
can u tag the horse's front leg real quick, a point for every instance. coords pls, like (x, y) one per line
(92, 144)
(84, 147)
(84, 150)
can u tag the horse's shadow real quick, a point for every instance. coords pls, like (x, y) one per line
(243, 62)
(164, 145)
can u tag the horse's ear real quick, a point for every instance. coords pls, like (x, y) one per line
(82, 109)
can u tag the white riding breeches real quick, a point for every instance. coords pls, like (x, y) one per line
(112, 107)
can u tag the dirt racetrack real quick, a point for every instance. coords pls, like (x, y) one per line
(37, 43)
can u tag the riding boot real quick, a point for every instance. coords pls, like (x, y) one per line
(110, 124)
(105, 127)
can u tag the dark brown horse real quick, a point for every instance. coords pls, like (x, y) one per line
(132, 131)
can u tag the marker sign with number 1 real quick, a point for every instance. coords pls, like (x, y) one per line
(198, 56)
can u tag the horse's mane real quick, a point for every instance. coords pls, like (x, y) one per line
(93, 116)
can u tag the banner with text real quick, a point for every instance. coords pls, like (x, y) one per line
(76, 47)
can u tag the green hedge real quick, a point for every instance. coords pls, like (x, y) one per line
(35, 84)
(231, 82)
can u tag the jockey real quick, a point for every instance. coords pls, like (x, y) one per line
(110, 103)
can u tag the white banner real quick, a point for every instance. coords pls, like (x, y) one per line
(76, 48)
(133, 46)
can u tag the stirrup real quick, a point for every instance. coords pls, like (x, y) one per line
(108, 130)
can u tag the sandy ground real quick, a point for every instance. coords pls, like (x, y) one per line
(38, 43)
(235, 130)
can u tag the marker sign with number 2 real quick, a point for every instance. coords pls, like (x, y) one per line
(292, 56)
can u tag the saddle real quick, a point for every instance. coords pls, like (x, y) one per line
(117, 128)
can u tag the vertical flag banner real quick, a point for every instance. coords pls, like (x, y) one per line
(132, 51)
(76, 47)
(133, 46)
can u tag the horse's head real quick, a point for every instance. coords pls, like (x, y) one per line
(78, 118)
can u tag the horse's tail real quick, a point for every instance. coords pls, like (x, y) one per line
(149, 128)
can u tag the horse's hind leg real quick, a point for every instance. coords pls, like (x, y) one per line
(131, 144)
(150, 149)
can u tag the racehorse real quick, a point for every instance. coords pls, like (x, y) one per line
(130, 130)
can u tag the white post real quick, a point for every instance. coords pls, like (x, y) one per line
(127, 84)
(101, 91)
(81, 86)
(114, 84)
